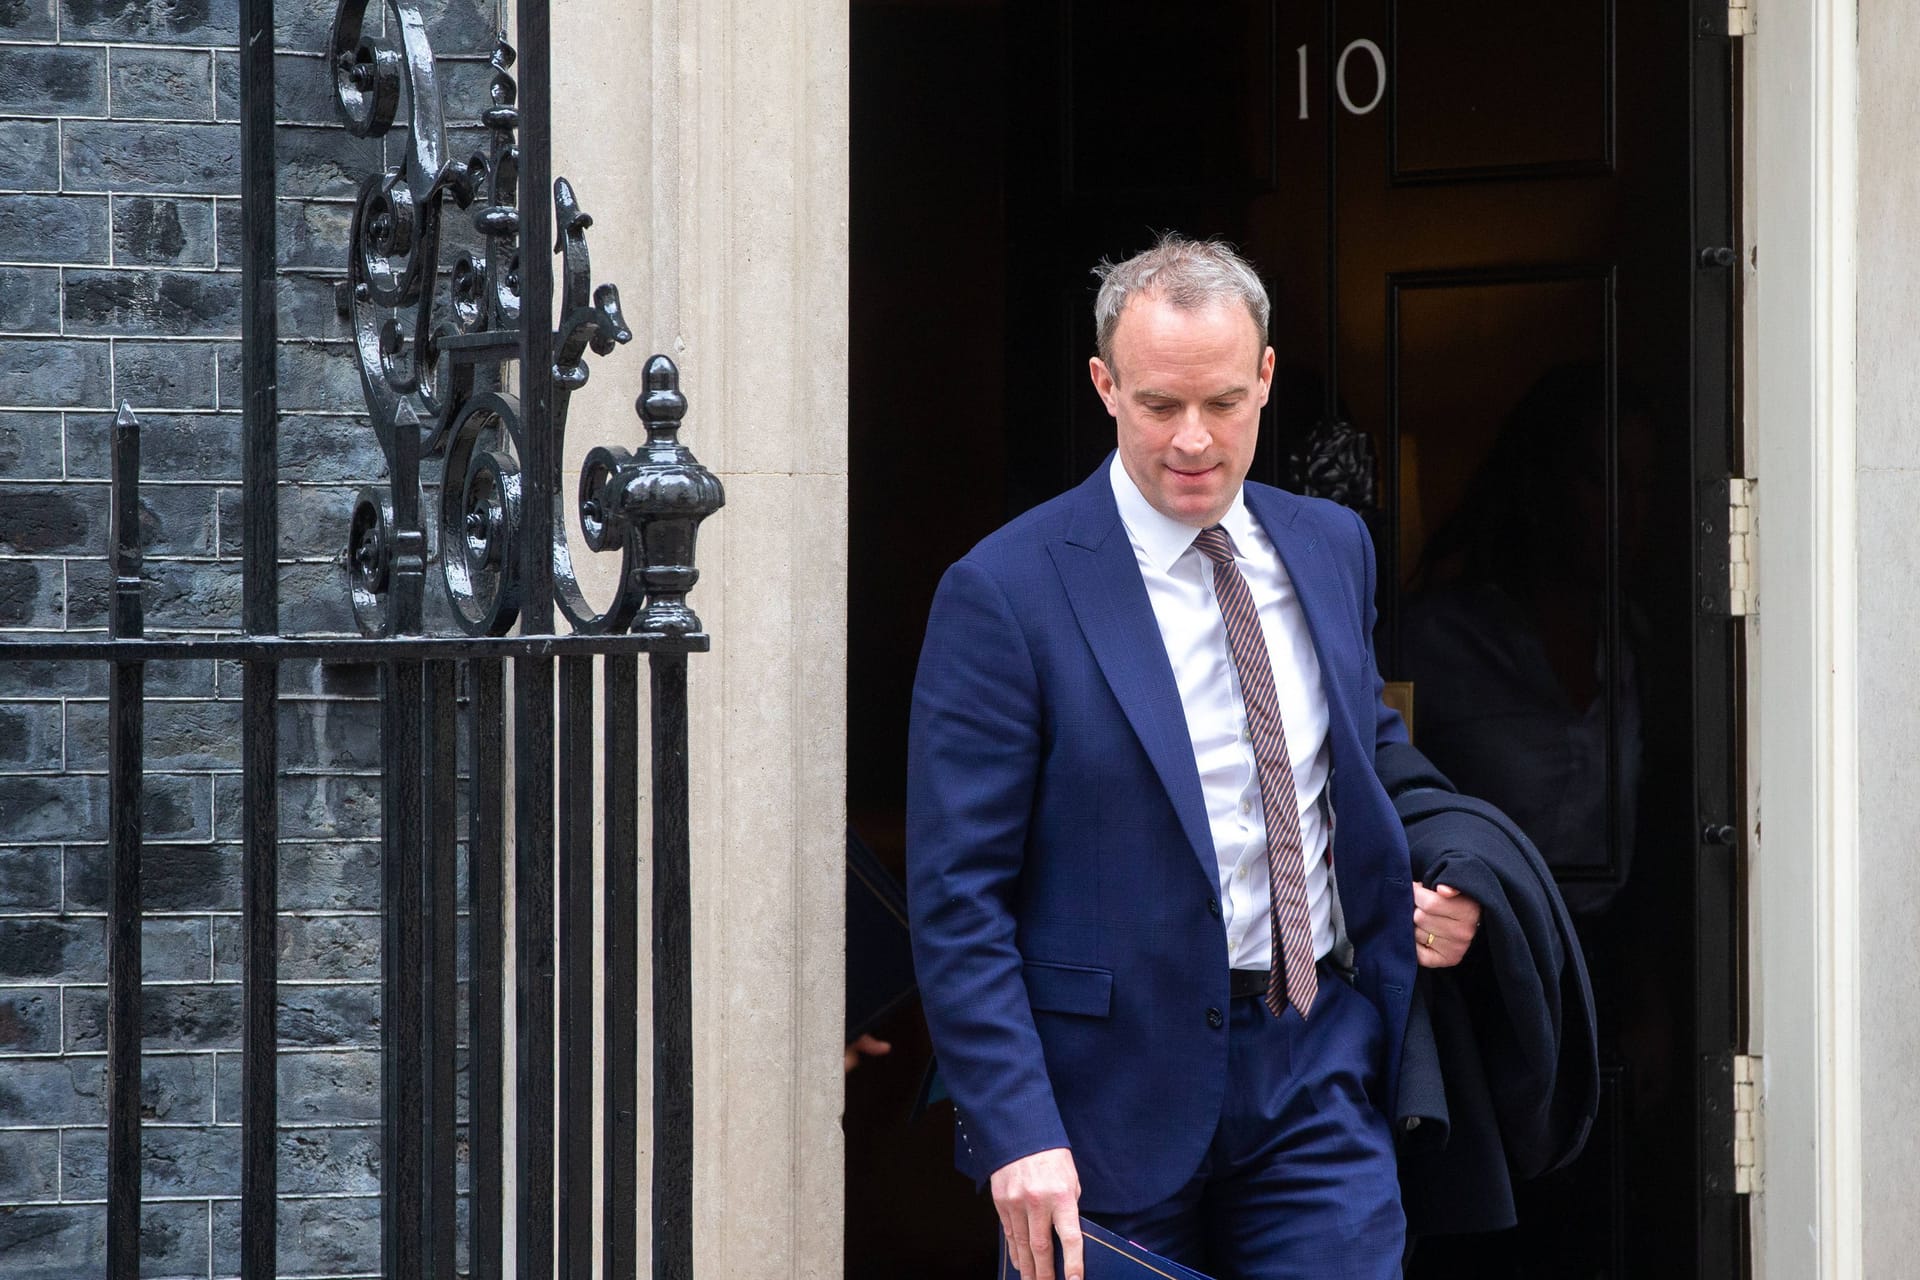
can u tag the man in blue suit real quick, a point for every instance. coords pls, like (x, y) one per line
(1162, 916)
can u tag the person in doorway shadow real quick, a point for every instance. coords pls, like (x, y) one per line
(1526, 663)
(1524, 700)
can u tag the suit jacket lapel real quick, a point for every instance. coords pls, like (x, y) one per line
(1102, 579)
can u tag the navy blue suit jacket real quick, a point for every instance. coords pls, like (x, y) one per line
(1061, 872)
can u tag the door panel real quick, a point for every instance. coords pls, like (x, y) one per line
(1529, 95)
(1445, 393)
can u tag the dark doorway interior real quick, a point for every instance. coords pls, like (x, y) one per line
(1474, 221)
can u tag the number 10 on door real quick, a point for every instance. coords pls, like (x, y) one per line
(1371, 50)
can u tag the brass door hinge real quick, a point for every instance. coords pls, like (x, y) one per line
(1746, 1118)
(1742, 593)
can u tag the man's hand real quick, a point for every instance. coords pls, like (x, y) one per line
(1444, 922)
(1035, 1196)
(866, 1047)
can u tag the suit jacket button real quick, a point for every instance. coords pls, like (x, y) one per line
(1215, 1019)
(1213, 907)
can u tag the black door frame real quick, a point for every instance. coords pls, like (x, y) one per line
(1718, 645)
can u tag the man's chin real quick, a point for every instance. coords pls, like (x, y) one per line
(1200, 493)
(1196, 511)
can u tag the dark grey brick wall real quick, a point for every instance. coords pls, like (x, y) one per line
(119, 275)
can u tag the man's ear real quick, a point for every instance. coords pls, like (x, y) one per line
(1108, 386)
(1266, 376)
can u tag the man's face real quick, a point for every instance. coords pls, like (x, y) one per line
(1185, 391)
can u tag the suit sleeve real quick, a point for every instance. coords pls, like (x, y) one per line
(973, 759)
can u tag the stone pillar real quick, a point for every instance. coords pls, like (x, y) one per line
(710, 142)
(1887, 458)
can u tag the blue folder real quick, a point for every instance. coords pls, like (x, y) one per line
(1108, 1257)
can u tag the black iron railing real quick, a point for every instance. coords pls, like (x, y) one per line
(435, 371)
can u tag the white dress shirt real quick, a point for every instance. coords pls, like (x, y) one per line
(1179, 582)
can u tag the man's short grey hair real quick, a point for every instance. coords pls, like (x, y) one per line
(1188, 274)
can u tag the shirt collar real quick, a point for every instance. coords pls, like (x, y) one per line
(1161, 538)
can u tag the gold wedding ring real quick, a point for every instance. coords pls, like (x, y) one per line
(1429, 941)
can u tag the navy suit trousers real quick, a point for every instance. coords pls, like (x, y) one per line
(1299, 1182)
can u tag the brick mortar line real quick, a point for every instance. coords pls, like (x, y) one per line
(280, 122)
(231, 340)
(229, 842)
(149, 46)
(98, 193)
(196, 633)
(315, 984)
(41, 335)
(224, 122)
(169, 699)
(209, 914)
(129, 268)
(149, 557)
(212, 1199)
(231, 197)
(97, 1055)
(299, 1125)
(217, 486)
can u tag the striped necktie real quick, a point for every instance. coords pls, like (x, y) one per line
(1292, 978)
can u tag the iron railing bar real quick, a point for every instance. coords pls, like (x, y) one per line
(442, 922)
(402, 961)
(534, 677)
(403, 857)
(672, 977)
(260, 612)
(259, 322)
(539, 463)
(260, 961)
(576, 1132)
(342, 648)
(533, 951)
(125, 764)
(486, 813)
(621, 961)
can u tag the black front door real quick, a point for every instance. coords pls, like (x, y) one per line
(1481, 226)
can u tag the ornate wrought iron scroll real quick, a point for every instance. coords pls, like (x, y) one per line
(1335, 460)
(431, 365)
(472, 365)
